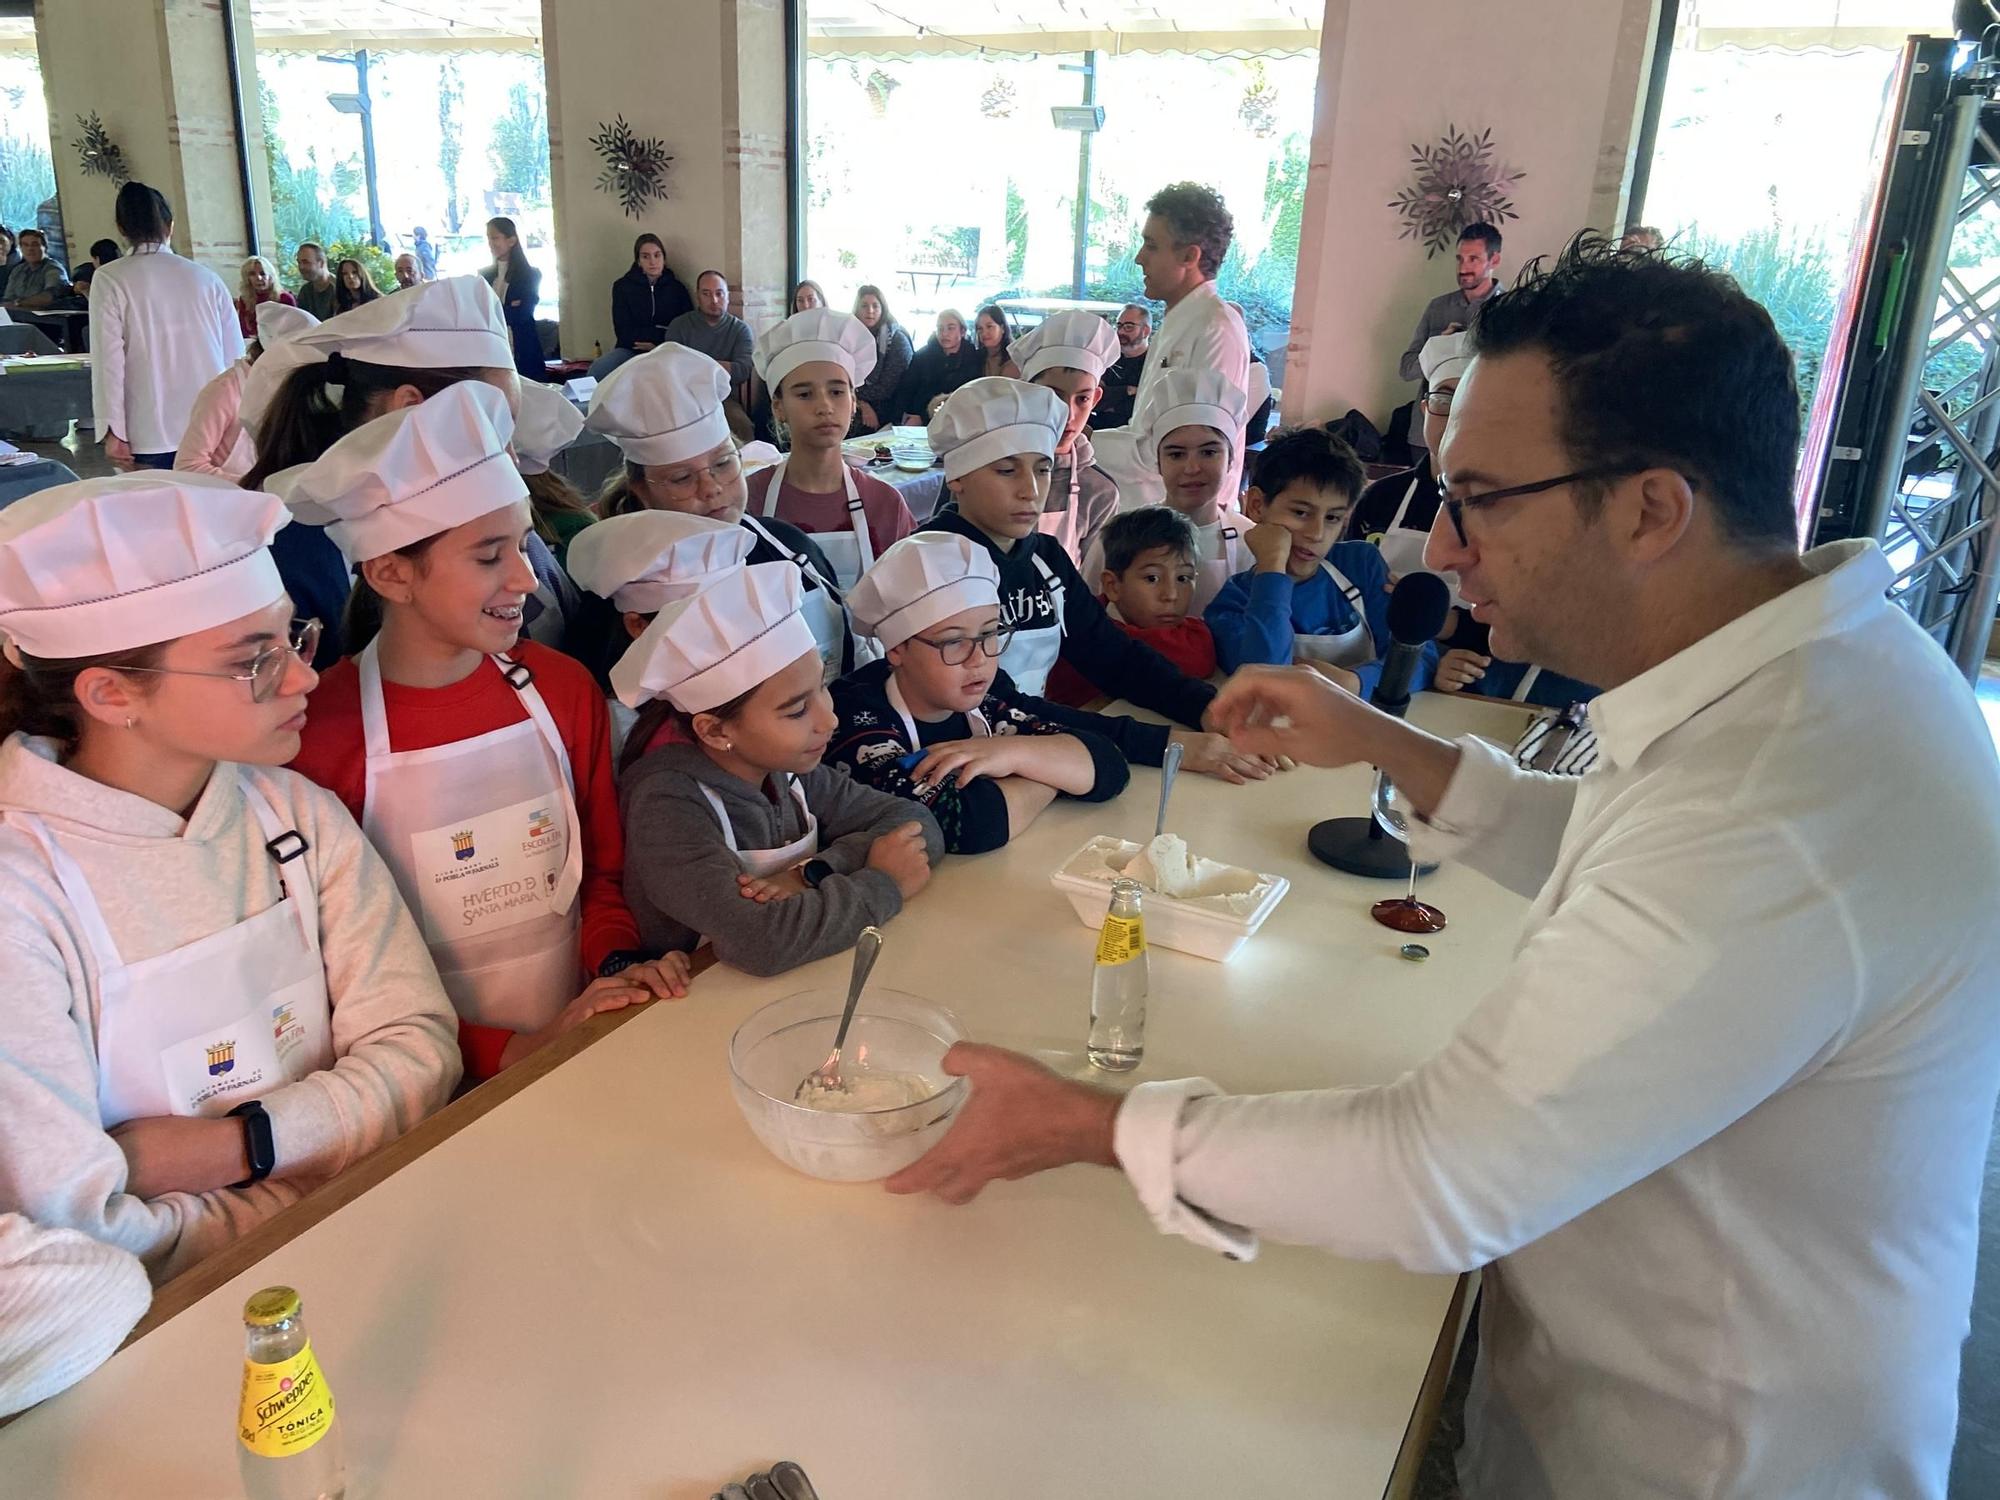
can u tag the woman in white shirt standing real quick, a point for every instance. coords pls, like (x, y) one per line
(161, 328)
(215, 998)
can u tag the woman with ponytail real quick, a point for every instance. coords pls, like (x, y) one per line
(215, 999)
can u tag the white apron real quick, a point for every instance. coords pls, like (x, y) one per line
(1520, 694)
(216, 1022)
(1402, 547)
(1062, 525)
(767, 862)
(1351, 648)
(975, 720)
(852, 552)
(1225, 540)
(483, 838)
(826, 614)
(1031, 654)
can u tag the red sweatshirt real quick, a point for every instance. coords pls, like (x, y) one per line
(1187, 645)
(422, 718)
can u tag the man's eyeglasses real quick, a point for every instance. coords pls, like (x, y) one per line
(266, 669)
(687, 481)
(1456, 509)
(957, 651)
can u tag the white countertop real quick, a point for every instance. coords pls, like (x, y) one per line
(606, 1287)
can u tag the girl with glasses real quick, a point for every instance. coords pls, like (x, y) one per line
(215, 998)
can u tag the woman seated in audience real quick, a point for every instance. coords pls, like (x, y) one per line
(518, 285)
(10, 251)
(643, 302)
(737, 829)
(478, 763)
(940, 367)
(993, 334)
(807, 295)
(875, 397)
(352, 286)
(215, 999)
(259, 284)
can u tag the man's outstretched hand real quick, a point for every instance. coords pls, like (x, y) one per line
(1021, 1119)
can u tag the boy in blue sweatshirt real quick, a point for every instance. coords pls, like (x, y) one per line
(1309, 598)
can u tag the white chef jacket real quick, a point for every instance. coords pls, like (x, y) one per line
(1719, 1129)
(1199, 332)
(161, 328)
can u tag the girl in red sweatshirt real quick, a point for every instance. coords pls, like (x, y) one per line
(477, 762)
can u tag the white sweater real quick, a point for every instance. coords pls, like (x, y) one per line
(163, 883)
(66, 1302)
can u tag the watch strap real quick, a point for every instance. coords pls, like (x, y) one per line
(259, 1146)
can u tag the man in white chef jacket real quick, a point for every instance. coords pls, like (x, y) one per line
(1717, 1133)
(1182, 244)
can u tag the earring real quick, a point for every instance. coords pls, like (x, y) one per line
(131, 722)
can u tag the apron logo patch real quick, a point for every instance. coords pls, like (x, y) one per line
(540, 822)
(221, 1058)
(461, 844)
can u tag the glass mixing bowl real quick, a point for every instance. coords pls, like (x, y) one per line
(780, 1044)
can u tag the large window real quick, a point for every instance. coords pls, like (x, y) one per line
(27, 174)
(941, 177)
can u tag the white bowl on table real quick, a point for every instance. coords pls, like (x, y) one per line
(1202, 927)
(784, 1041)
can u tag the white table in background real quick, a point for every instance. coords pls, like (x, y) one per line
(605, 1287)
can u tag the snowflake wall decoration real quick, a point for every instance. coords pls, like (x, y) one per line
(101, 155)
(1458, 182)
(635, 167)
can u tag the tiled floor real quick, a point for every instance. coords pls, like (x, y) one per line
(1975, 1471)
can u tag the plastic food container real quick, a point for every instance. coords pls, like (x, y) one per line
(1205, 926)
(784, 1041)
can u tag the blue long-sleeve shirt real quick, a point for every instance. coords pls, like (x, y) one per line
(1256, 615)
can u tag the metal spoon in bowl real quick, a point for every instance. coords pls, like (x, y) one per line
(826, 1079)
(1170, 767)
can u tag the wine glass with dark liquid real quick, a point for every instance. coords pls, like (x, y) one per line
(1404, 913)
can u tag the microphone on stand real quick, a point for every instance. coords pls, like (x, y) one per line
(1417, 611)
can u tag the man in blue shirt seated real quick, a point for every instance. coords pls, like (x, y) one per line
(1309, 598)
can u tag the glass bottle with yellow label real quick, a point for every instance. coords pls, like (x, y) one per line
(1118, 984)
(287, 1447)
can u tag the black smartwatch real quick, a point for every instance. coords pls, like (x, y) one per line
(620, 961)
(813, 871)
(258, 1145)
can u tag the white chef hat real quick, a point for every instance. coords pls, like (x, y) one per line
(992, 418)
(663, 406)
(549, 422)
(819, 333)
(645, 560)
(411, 473)
(720, 643)
(1445, 357)
(437, 325)
(278, 321)
(926, 577)
(1189, 398)
(133, 559)
(1072, 340)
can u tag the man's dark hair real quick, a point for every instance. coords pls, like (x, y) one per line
(142, 214)
(1660, 362)
(1196, 216)
(1311, 454)
(104, 250)
(40, 238)
(699, 279)
(1485, 233)
(311, 245)
(1142, 530)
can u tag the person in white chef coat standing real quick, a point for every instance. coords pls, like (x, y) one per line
(1717, 1134)
(161, 328)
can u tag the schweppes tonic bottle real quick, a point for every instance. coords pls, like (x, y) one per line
(288, 1448)
(1118, 984)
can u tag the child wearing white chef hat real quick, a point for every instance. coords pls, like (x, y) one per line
(737, 829)
(215, 441)
(812, 363)
(1069, 353)
(664, 411)
(549, 422)
(478, 762)
(940, 723)
(1188, 429)
(316, 386)
(997, 437)
(636, 565)
(205, 954)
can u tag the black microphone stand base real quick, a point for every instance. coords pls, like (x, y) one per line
(1357, 846)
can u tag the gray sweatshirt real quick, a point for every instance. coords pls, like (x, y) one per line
(727, 342)
(1096, 497)
(680, 877)
(163, 883)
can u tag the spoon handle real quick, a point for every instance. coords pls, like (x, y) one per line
(866, 948)
(1170, 767)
